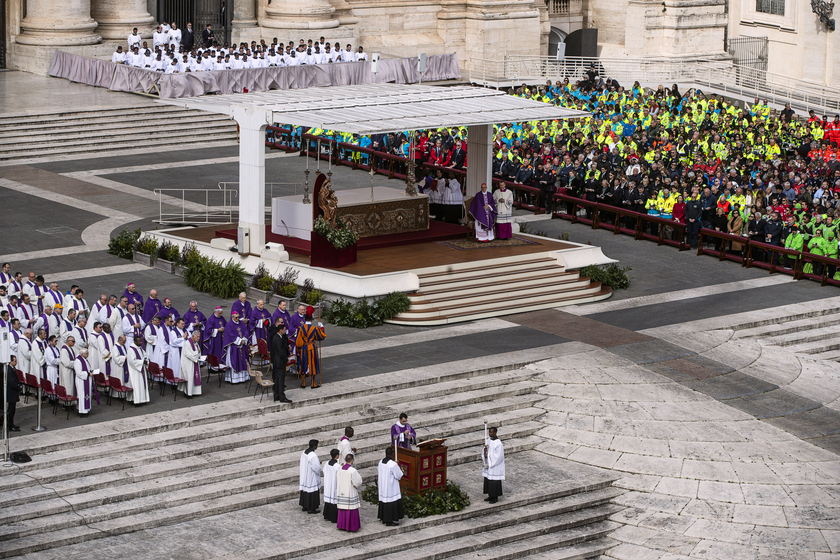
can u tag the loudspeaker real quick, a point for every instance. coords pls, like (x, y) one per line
(374, 62)
(421, 62)
(583, 42)
(561, 51)
(243, 241)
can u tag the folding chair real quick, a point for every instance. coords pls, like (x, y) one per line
(65, 399)
(265, 384)
(121, 390)
(101, 381)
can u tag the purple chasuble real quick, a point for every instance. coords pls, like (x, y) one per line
(151, 308)
(397, 429)
(244, 309)
(294, 324)
(134, 298)
(486, 218)
(214, 345)
(238, 354)
(193, 317)
(258, 316)
(287, 319)
(167, 311)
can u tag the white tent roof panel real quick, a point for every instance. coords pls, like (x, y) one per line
(380, 108)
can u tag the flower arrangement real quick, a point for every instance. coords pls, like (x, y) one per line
(339, 237)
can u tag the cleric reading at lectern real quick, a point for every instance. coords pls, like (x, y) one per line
(402, 434)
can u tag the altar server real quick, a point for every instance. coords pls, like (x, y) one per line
(390, 495)
(493, 459)
(310, 479)
(330, 470)
(344, 446)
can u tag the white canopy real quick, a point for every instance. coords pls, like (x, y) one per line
(381, 108)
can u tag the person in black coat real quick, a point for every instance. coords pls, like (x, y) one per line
(693, 216)
(12, 393)
(188, 38)
(207, 37)
(279, 358)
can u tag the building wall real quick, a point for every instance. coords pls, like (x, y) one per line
(800, 45)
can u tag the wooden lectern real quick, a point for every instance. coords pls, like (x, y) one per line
(424, 469)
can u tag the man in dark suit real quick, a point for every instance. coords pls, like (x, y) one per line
(12, 393)
(207, 37)
(279, 359)
(456, 161)
(188, 38)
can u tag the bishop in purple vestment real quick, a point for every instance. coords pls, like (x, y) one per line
(483, 211)
(168, 310)
(283, 314)
(296, 321)
(236, 350)
(152, 307)
(194, 319)
(242, 307)
(132, 296)
(259, 322)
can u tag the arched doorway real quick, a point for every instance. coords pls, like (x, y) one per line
(555, 36)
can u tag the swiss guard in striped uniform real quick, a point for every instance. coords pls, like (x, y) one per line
(308, 359)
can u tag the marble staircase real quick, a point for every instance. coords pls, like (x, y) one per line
(83, 132)
(812, 333)
(150, 474)
(492, 288)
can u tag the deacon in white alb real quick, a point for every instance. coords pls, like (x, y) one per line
(390, 495)
(493, 459)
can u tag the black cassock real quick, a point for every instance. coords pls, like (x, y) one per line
(279, 359)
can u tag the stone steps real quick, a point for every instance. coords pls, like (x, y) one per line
(213, 421)
(831, 355)
(788, 327)
(786, 318)
(797, 338)
(81, 132)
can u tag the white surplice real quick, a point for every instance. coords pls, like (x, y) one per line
(388, 482)
(52, 358)
(190, 355)
(331, 482)
(494, 463)
(310, 472)
(66, 373)
(137, 373)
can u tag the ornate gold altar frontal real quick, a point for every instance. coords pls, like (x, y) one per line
(384, 218)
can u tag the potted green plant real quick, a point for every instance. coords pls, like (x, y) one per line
(189, 254)
(332, 247)
(285, 287)
(261, 284)
(145, 251)
(167, 255)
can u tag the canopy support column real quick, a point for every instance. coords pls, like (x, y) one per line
(479, 157)
(252, 123)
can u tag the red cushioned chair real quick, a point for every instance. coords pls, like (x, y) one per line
(48, 390)
(101, 381)
(121, 390)
(170, 379)
(65, 399)
(213, 364)
(22, 380)
(31, 383)
(156, 375)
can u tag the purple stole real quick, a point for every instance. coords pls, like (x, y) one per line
(56, 355)
(77, 305)
(46, 324)
(135, 324)
(57, 299)
(15, 288)
(88, 383)
(5, 278)
(121, 350)
(82, 335)
(39, 291)
(108, 348)
(196, 368)
(27, 313)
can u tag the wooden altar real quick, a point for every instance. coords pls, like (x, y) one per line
(424, 469)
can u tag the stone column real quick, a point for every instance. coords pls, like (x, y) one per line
(252, 174)
(245, 13)
(57, 23)
(299, 14)
(479, 158)
(116, 18)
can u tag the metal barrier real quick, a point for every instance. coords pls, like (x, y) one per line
(194, 212)
(720, 75)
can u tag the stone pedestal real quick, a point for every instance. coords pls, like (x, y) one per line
(244, 14)
(57, 24)
(116, 18)
(299, 14)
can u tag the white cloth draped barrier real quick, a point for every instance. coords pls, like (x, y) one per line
(119, 77)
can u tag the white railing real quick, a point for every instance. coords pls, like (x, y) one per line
(218, 206)
(716, 75)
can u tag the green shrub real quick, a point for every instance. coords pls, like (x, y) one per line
(340, 237)
(122, 245)
(314, 297)
(223, 280)
(147, 246)
(306, 289)
(189, 254)
(168, 252)
(261, 277)
(361, 315)
(434, 502)
(611, 275)
(286, 284)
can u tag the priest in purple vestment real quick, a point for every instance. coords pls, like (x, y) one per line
(284, 314)
(259, 322)
(168, 310)
(194, 319)
(402, 434)
(236, 350)
(483, 211)
(214, 333)
(242, 307)
(296, 321)
(152, 307)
